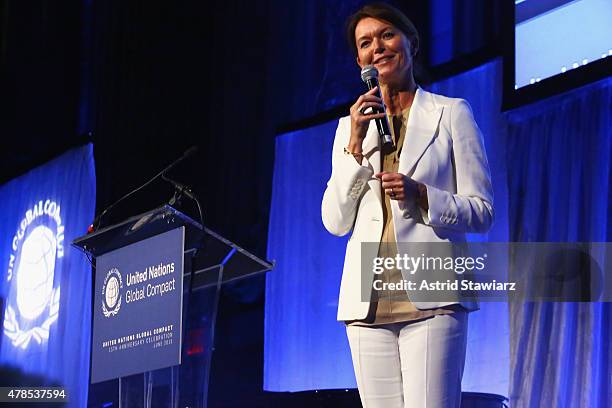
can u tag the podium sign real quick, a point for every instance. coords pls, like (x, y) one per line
(137, 311)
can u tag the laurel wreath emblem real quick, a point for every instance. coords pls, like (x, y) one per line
(21, 338)
(105, 310)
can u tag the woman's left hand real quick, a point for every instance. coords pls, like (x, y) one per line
(401, 187)
(398, 186)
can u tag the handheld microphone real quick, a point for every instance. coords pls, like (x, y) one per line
(369, 75)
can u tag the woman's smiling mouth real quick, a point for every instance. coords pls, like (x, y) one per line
(383, 60)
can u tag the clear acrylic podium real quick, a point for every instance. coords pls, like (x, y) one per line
(209, 261)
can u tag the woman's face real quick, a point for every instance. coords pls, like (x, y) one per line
(380, 44)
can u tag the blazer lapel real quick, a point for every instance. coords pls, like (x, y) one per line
(371, 150)
(421, 128)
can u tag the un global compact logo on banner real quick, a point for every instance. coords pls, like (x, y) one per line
(111, 293)
(33, 304)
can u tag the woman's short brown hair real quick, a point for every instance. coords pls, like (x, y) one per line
(386, 12)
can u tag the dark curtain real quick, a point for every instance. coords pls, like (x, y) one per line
(462, 27)
(39, 82)
(169, 75)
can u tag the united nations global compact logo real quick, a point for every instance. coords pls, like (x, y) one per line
(111, 293)
(36, 251)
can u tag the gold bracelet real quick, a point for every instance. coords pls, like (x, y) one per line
(356, 155)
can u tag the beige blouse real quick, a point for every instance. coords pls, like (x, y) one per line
(394, 306)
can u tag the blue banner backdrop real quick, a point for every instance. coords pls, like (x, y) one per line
(46, 284)
(305, 347)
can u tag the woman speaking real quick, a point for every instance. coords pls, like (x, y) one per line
(432, 184)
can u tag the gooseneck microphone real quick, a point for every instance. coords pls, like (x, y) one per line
(369, 75)
(95, 225)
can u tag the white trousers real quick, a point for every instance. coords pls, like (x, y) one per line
(411, 364)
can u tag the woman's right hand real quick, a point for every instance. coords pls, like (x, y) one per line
(360, 121)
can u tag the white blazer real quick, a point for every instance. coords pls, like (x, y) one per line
(443, 149)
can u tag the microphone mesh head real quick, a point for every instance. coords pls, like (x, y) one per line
(368, 72)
